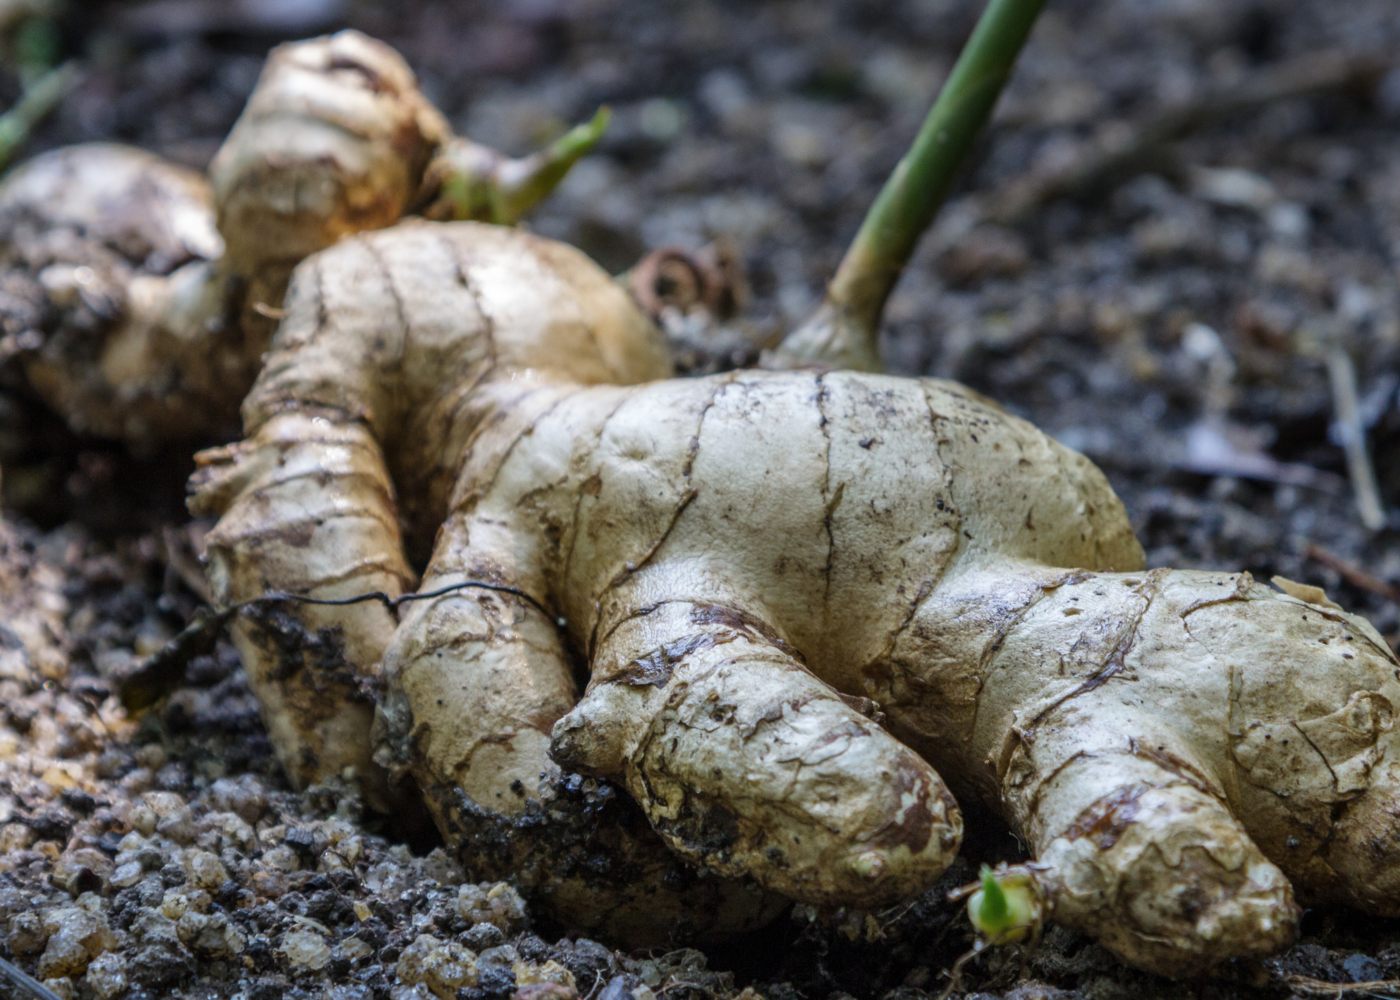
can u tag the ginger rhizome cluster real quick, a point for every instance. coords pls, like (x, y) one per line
(795, 614)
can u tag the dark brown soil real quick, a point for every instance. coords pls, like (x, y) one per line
(1174, 323)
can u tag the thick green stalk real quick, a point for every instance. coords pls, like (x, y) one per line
(845, 329)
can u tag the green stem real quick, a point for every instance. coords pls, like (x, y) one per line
(913, 193)
(525, 183)
(34, 104)
(471, 181)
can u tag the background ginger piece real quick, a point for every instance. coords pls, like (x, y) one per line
(140, 298)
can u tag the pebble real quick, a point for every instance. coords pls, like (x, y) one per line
(305, 951)
(106, 976)
(173, 817)
(352, 949)
(83, 869)
(442, 966)
(549, 971)
(126, 875)
(27, 933)
(206, 870)
(177, 902)
(499, 904)
(76, 937)
(240, 795)
(211, 935)
(61, 987)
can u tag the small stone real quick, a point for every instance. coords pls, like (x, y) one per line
(153, 928)
(61, 987)
(106, 976)
(143, 820)
(529, 973)
(496, 903)
(352, 949)
(270, 883)
(28, 933)
(178, 902)
(282, 858)
(481, 936)
(211, 935)
(15, 837)
(76, 937)
(173, 818)
(158, 967)
(304, 951)
(81, 870)
(241, 795)
(124, 876)
(442, 966)
(350, 991)
(1362, 968)
(205, 870)
(218, 831)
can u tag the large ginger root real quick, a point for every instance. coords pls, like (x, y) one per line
(804, 601)
(747, 564)
(140, 297)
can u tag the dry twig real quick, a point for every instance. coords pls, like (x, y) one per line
(1369, 506)
(1353, 574)
(21, 986)
(1323, 988)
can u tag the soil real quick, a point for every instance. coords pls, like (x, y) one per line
(1174, 321)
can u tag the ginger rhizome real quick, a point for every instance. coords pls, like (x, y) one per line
(140, 296)
(806, 609)
(746, 564)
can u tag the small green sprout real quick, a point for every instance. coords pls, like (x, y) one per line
(1007, 908)
(471, 181)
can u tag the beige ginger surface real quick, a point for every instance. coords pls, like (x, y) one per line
(805, 601)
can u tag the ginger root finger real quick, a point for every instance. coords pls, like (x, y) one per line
(1156, 868)
(749, 765)
(476, 678)
(334, 140)
(288, 525)
(1198, 742)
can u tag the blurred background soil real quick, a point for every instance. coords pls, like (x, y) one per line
(1176, 251)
